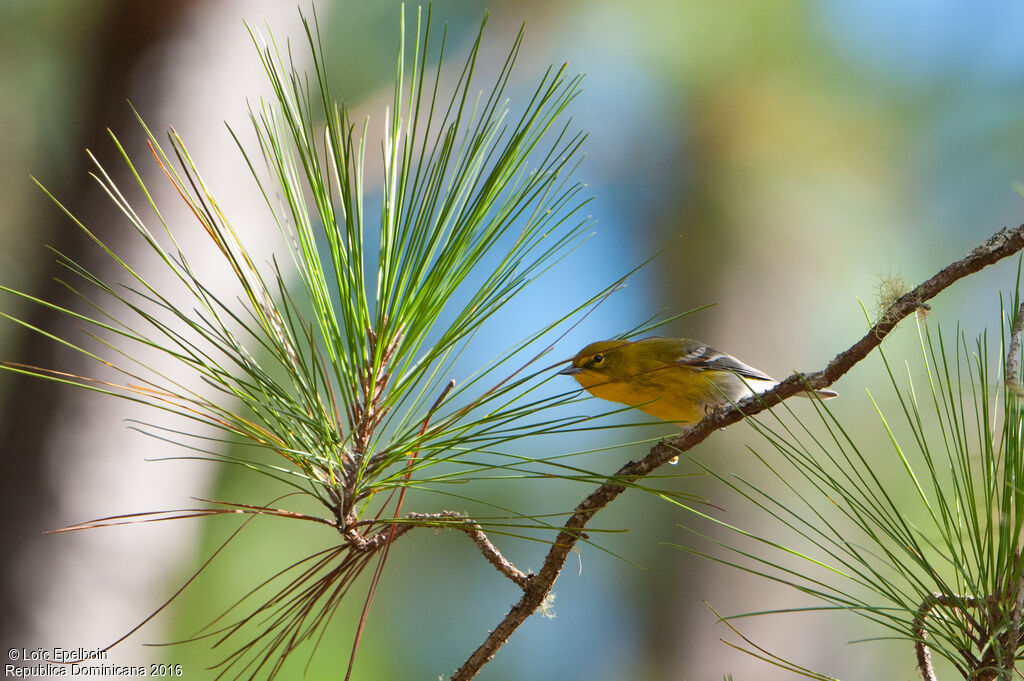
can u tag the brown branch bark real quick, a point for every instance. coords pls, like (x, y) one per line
(1001, 245)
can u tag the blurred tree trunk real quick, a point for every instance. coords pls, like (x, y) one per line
(127, 32)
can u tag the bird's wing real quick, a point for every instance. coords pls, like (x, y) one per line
(705, 357)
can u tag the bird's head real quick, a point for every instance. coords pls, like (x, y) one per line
(600, 362)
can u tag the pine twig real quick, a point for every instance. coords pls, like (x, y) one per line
(1013, 354)
(392, 532)
(457, 521)
(1001, 245)
(920, 632)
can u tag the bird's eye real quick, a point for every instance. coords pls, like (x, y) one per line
(598, 359)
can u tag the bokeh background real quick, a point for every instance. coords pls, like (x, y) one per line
(782, 156)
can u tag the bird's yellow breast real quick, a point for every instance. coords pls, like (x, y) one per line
(660, 393)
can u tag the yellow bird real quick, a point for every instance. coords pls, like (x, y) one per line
(674, 379)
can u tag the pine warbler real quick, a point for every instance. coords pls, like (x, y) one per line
(674, 379)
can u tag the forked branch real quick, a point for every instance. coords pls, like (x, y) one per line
(1001, 245)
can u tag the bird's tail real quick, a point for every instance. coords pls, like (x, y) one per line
(758, 387)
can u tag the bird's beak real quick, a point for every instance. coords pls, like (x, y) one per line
(570, 371)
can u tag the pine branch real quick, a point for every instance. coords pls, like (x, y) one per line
(1001, 245)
